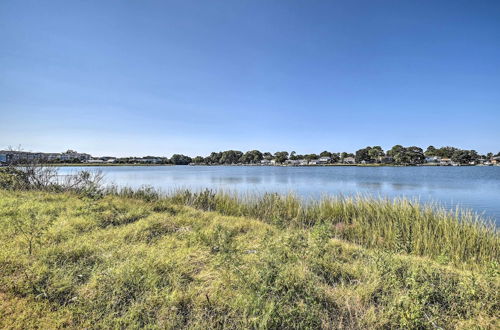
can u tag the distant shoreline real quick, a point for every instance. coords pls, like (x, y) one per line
(256, 165)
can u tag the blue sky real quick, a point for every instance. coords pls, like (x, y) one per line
(164, 77)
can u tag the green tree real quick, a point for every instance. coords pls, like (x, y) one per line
(363, 155)
(230, 157)
(311, 156)
(335, 158)
(178, 159)
(251, 157)
(198, 160)
(214, 158)
(325, 154)
(281, 156)
(431, 151)
(375, 153)
(464, 156)
(415, 155)
(446, 152)
(267, 155)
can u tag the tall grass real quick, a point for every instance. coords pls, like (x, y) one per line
(399, 225)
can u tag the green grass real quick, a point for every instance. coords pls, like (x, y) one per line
(401, 225)
(212, 261)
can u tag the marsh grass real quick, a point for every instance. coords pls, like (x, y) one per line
(139, 259)
(399, 225)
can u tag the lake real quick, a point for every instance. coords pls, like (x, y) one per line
(476, 188)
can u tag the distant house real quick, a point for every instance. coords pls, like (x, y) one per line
(71, 155)
(433, 160)
(150, 160)
(324, 160)
(385, 159)
(95, 161)
(445, 162)
(293, 162)
(314, 162)
(265, 162)
(108, 159)
(349, 160)
(303, 162)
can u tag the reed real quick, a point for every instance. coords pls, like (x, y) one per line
(399, 225)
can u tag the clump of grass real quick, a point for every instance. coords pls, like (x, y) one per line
(399, 225)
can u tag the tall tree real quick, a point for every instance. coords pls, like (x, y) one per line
(363, 155)
(281, 156)
(198, 160)
(325, 154)
(431, 151)
(375, 153)
(178, 159)
(230, 157)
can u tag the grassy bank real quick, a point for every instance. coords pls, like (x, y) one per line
(206, 260)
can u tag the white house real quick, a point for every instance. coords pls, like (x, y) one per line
(349, 160)
(445, 161)
(433, 160)
(294, 162)
(324, 160)
(95, 161)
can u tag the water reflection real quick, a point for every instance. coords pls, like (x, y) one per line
(405, 186)
(227, 180)
(370, 185)
(253, 179)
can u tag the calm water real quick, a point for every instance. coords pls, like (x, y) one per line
(477, 188)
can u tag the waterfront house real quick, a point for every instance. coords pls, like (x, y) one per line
(303, 162)
(150, 160)
(108, 159)
(432, 160)
(314, 162)
(385, 159)
(324, 160)
(95, 161)
(445, 162)
(349, 160)
(265, 162)
(293, 162)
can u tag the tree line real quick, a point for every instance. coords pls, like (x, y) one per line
(398, 154)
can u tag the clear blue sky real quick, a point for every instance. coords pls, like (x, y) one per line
(164, 77)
